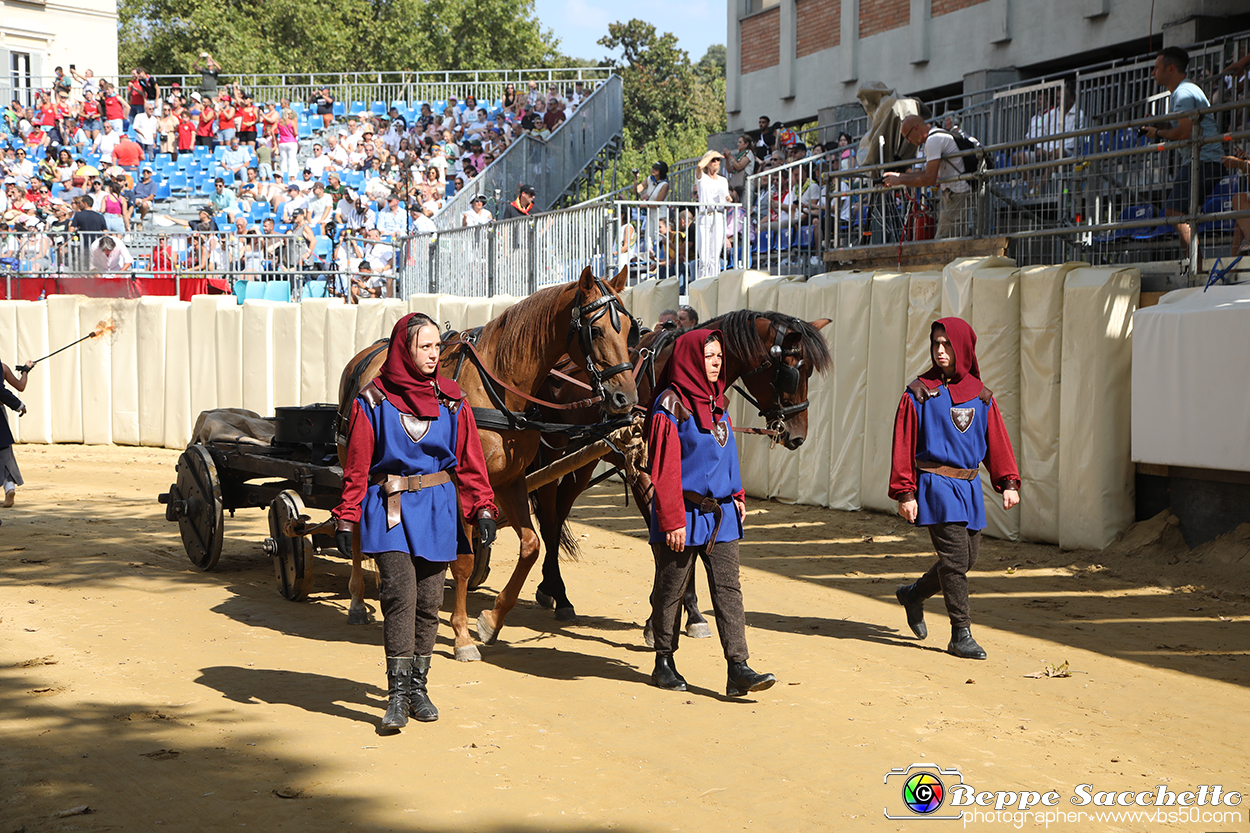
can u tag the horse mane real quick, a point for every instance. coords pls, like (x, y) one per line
(525, 323)
(741, 338)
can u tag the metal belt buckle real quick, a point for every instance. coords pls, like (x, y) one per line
(416, 477)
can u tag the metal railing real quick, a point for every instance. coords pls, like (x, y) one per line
(1092, 194)
(549, 165)
(408, 88)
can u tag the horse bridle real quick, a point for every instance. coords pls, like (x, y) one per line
(582, 325)
(785, 381)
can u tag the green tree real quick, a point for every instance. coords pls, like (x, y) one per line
(657, 77)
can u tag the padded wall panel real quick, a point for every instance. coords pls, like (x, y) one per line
(924, 306)
(957, 289)
(703, 295)
(313, 386)
(753, 449)
(339, 345)
(178, 417)
(1095, 410)
(996, 321)
(477, 312)
(785, 467)
(887, 348)
(395, 309)
(229, 326)
(95, 398)
(65, 369)
(258, 357)
(8, 355)
(455, 311)
(429, 303)
(850, 386)
(124, 362)
(153, 319)
(1041, 356)
(821, 298)
(32, 342)
(287, 358)
(732, 287)
(369, 315)
(499, 303)
(204, 394)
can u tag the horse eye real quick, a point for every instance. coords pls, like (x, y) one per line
(596, 332)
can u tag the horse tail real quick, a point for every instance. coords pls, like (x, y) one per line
(568, 544)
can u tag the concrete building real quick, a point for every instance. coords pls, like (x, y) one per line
(797, 60)
(36, 36)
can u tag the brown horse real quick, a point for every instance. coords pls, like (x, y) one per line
(584, 319)
(772, 354)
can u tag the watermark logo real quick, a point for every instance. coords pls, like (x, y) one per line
(923, 789)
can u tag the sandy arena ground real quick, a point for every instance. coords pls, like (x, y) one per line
(164, 698)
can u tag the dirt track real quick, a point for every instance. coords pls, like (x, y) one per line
(168, 699)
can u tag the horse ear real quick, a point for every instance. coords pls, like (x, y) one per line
(587, 280)
(819, 323)
(618, 283)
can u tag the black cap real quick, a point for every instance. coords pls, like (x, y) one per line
(526, 189)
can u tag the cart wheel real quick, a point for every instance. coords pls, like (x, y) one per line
(200, 515)
(292, 561)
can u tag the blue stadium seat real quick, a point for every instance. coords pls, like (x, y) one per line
(1216, 204)
(315, 289)
(277, 291)
(260, 210)
(178, 182)
(400, 105)
(323, 249)
(340, 109)
(378, 108)
(164, 191)
(1133, 212)
(255, 291)
(240, 289)
(358, 107)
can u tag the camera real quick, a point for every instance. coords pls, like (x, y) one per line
(635, 170)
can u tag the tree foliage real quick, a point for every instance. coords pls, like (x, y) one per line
(298, 36)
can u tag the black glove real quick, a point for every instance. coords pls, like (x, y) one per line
(343, 540)
(486, 530)
(24, 368)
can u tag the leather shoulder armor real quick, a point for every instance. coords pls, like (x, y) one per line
(672, 403)
(985, 396)
(920, 391)
(372, 394)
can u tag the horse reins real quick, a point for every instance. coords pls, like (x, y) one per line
(785, 380)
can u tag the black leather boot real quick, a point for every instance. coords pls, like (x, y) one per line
(963, 645)
(743, 680)
(398, 682)
(906, 596)
(665, 675)
(419, 705)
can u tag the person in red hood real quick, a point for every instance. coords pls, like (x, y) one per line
(411, 442)
(947, 425)
(698, 507)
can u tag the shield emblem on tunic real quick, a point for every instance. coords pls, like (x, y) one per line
(962, 417)
(721, 432)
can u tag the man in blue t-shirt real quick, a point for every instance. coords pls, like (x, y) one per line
(1187, 96)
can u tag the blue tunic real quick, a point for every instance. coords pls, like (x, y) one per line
(940, 439)
(429, 521)
(707, 468)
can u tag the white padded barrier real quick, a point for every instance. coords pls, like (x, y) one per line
(124, 358)
(32, 342)
(204, 392)
(732, 287)
(430, 304)
(287, 361)
(703, 295)
(785, 467)
(229, 328)
(258, 357)
(887, 344)
(850, 386)
(339, 345)
(996, 320)
(455, 311)
(95, 398)
(394, 309)
(957, 289)
(8, 355)
(1095, 468)
(64, 369)
(813, 456)
(924, 306)
(1041, 339)
(152, 317)
(313, 381)
(370, 317)
(178, 417)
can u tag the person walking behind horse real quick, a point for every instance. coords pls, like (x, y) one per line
(947, 425)
(10, 477)
(411, 445)
(698, 507)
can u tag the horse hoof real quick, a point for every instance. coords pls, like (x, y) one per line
(359, 616)
(544, 601)
(485, 633)
(648, 635)
(698, 630)
(468, 653)
(566, 614)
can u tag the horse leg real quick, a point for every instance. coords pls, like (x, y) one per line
(550, 592)
(696, 625)
(461, 569)
(357, 613)
(514, 504)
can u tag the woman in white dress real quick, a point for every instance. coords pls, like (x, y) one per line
(713, 193)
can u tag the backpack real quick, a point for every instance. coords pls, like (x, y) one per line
(974, 162)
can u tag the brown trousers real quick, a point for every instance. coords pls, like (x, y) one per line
(957, 548)
(411, 595)
(673, 573)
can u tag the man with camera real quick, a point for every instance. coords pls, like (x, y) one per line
(1187, 96)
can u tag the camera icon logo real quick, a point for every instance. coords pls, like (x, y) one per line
(923, 789)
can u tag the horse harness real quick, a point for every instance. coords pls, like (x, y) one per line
(785, 380)
(583, 329)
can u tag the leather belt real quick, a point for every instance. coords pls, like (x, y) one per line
(947, 471)
(707, 504)
(394, 485)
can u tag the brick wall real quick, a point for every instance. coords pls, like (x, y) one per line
(877, 16)
(948, 6)
(761, 41)
(819, 25)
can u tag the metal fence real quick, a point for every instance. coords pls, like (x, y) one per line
(550, 165)
(358, 91)
(1096, 194)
